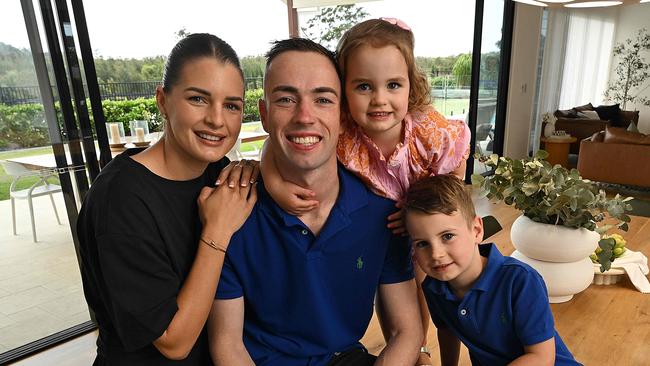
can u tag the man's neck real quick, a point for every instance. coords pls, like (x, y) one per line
(324, 182)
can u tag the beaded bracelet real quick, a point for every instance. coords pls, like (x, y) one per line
(213, 245)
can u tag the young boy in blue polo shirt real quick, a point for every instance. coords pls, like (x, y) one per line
(497, 306)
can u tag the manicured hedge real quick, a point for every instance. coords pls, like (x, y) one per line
(24, 125)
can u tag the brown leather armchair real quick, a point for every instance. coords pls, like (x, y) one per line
(616, 156)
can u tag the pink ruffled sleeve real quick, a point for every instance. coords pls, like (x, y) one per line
(454, 147)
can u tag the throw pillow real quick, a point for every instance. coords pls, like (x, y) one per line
(632, 127)
(586, 107)
(589, 115)
(566, 113)
(618, 135)
(609, 113)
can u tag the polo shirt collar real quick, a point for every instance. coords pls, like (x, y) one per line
(353, 195)
(491, 270)
(495, 261)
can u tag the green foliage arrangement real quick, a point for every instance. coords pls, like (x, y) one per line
(632, 71)
(551, 194)
(609, 248)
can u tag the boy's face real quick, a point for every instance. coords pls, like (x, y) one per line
(445, 247)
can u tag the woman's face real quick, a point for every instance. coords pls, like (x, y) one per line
(204, 110)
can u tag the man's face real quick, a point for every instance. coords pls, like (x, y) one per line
(301, 110)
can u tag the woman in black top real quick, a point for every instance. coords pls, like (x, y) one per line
(153, 231)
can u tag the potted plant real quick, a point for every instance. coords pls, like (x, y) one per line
(558, 228)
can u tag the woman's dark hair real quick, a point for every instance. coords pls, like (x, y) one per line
(195, 46)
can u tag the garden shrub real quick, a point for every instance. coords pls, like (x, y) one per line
(251, 112)
(24, 125)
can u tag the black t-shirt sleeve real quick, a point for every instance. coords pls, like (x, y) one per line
(142, 287)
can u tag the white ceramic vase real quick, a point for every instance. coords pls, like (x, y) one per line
(549, 128)
(560, 254)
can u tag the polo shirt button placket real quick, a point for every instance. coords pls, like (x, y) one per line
(463, 312)
(304, 232)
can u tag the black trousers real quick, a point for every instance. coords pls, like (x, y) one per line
(354, 357)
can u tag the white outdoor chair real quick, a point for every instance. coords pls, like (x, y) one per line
(236, 154)
(40, 188)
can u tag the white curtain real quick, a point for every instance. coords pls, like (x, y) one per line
(588, 51)
(575, 64)
(552, 68)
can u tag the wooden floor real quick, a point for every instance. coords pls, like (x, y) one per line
(604, 325)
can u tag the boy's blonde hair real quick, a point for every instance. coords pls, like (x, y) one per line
(379, 33)
(444, 194)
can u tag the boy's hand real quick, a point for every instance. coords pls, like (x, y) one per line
(297, 200)
(396, 222)
(243, 171)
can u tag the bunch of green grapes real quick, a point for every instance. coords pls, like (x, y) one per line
(615, 242)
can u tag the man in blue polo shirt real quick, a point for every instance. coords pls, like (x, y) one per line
(299, 290)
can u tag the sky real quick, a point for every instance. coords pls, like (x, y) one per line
(141, 28)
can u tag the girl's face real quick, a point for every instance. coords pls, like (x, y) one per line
(204, 110)
(377, 89)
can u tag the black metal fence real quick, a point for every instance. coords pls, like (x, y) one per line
(13, 95)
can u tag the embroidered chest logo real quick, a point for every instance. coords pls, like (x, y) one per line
(359, 263)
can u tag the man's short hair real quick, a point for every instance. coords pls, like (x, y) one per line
(444, 194)
(300, 45)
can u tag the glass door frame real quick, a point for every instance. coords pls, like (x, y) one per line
(502, 84)
(76, 123)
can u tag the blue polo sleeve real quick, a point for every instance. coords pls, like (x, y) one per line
(229, 285)
(397, 264)
(531, 311)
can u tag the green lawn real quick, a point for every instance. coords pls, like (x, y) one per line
(5, 180)
(451, 106)
(255, 145)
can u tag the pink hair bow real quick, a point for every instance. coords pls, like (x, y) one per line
(396, 22)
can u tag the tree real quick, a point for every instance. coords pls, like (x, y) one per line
(462, 69)
(181, 33)
(329, 25)
(632, 71)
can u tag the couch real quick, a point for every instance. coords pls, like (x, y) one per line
(616, 156)
(576, 122)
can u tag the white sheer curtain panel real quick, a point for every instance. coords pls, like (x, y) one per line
(552, 68)
(590, 36)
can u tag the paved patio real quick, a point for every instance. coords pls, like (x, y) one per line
(40, 284)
